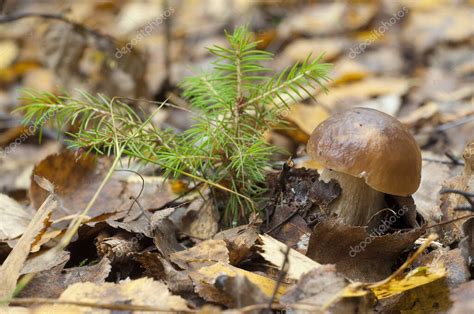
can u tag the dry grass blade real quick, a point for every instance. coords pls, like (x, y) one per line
(10, 270)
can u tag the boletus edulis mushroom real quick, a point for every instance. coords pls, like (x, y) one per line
(370, 154)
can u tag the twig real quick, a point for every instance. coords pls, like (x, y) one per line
(407, 263)
(362, 285)
(135, 198)
(167, 204)
(446, 162)
(108, 306)
(450, 221)
(57, 17)
(281, 275)
(287, 218)
(467, 195)
(166, 52)
(453, 158)
(452, 124)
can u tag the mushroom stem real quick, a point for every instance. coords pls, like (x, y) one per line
(358, 202)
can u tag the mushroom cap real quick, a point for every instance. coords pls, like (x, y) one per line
(369, 144)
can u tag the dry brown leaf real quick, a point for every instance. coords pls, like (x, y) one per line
(462, 182)
(299, 49)
(205, 278)
(307, 117)
(202, 254)
(241, 290)
(43, 261)
(200, 220)
(14, 219)
(9, 52)
(358, 254)
(240, 241)
(420, 115)
(299, 190)
(463, 299)
(18, 162)
(10, 270)
(160, 269)
(165, 233)
(466, 245)
(76, 179)
(319, 288)
(426, 28)
(143, 291)
(346, 96)
(433, 173)
(273, 251)
(51, 283)
(327, 18)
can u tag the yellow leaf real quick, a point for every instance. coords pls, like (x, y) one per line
(307, 117)
(265, 284)
(8, 53)
(417, 277)
(273, 251)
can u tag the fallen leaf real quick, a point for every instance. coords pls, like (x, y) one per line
(463, 299)
(143, 291)
(321, 287)
(434, 171)
(41, 261)
(8, 53)
(200, 220)
(241, 290)
(426, 28)
(14, 219)
(240, 241)
(299, 49)
(201, 255)
(119, 247)
(420, 115)
(76, 178)
(51, 283)
(466, 244)
(327, 18)
(358, 253)
(205, 278)
(417, 277)
(11, 267)
(451, 201)
(159, 268)
(273, 251)
(306, 117)
(18, 162)
(349, 95)
(298, 192)
(165, 233)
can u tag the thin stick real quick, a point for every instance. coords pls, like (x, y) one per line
(281, 275)
(450, 221)
(114, 306)
(57, 17)
(407, 263)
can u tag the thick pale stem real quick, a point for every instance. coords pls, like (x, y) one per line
(358, 202)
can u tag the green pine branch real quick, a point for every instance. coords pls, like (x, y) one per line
(235, 104)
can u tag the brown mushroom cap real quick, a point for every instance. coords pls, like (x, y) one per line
(369, 144)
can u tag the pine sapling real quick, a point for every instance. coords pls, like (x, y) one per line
(233, 106)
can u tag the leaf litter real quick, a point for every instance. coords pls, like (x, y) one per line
(163, 249)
